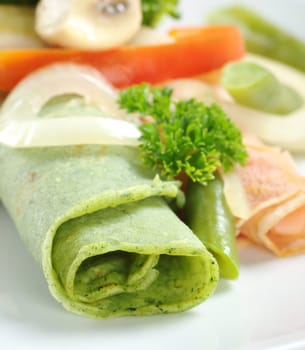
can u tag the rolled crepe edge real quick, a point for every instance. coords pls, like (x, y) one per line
(112, 199)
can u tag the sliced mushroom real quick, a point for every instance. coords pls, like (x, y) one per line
(88, 24)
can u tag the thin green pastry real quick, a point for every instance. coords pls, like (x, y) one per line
(107, 242)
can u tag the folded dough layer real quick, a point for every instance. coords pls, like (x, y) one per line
(98, 225)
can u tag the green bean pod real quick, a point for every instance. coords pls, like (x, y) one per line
(261, 36)
(210, 218)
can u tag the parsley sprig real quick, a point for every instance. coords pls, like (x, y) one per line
(184, 136)
(154, 10)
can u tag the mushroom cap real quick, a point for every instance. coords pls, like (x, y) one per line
(88, 24)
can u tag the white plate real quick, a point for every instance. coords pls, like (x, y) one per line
(264, 309)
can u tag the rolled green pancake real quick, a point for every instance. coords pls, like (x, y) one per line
(98, 225)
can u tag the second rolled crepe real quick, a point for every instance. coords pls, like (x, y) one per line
(98, 225)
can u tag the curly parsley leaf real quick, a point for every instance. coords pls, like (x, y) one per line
(184, 136)
(154, 10)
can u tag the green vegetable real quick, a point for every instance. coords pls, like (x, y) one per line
(210, 218)
(154, 10)
(254, 86)
(184, 136)
(263, 37)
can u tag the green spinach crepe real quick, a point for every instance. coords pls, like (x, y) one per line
(98, 225)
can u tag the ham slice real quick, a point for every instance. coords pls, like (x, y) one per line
(274, 198)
